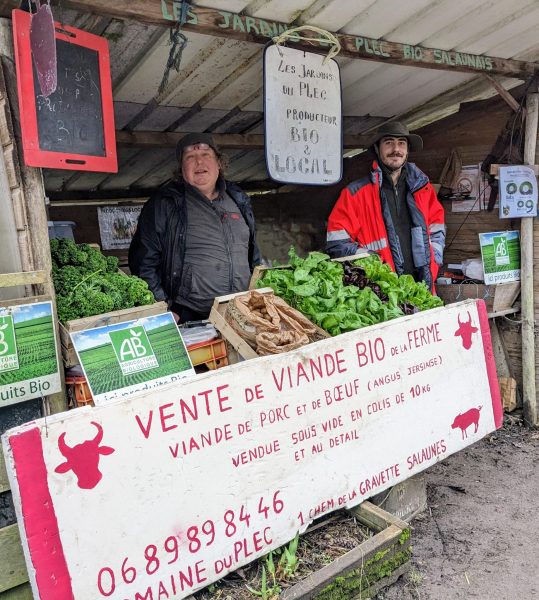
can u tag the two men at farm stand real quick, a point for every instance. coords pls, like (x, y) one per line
(393, 211)
(196, 237)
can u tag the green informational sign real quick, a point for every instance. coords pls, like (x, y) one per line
(125, 358)
(133, 350)
(28, 357)
(500, 251)
(9, 359)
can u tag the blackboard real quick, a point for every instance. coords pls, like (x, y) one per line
(72, 128)
(71, 119)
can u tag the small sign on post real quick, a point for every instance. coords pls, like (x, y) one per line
(500, 251)
(518, 192)
(302, 117)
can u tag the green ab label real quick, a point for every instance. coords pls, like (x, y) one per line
(501, 250)
(133, 349)
(9, 359)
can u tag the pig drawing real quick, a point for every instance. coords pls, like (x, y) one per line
(464, 420)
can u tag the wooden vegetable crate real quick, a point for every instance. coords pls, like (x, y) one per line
(362, 572)
(238, 348)
(118, 316)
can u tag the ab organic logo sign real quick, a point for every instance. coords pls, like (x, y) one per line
(133, 349)
(501, 251)
(9, 359)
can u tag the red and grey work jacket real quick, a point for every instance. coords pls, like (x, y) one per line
(361, 218)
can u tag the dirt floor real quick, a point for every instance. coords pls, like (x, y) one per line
(479, 537)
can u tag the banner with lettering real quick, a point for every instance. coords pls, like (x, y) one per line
(160, 494)
(302, 117)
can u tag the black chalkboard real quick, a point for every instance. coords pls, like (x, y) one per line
(72, 128)
(71, 118)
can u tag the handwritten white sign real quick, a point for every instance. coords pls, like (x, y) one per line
(302, 117)
(158, 495)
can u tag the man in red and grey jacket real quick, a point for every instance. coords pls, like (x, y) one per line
(393, 211)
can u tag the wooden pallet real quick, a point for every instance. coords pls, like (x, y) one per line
(499, 298)
(118, 316)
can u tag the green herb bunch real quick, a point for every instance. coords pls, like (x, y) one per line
(88, 283)
(316, 287)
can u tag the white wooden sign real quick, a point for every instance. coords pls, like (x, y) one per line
(158, 495)
(302, 117)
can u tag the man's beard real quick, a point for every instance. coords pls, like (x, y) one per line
(392, 169)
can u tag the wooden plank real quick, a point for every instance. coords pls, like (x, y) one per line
(225, 141)
(27, 278)
(4, 481)
(375, 517)
(529, 372)
(235, 340)
(315, 582)
(13, 572)
(21, 592)
(503, 93)
(222, 23)
(495, 169)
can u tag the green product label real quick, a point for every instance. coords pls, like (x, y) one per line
(133, 349)
(501, 250)
(9, 359)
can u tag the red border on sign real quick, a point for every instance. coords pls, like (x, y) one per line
(490, 364)
(40, 523)
(33, 155)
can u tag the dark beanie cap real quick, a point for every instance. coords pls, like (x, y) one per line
(194, 138)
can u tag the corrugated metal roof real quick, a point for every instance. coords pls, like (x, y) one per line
(219, 85)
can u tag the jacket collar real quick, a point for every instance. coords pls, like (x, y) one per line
(415, 178)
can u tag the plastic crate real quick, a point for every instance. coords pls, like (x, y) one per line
(78, 391)
(213, 354)
(61, 229)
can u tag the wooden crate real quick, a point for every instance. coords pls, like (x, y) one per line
(260, 270)
(364, 571)
(118, 316)
(238, 348)
(499, 298)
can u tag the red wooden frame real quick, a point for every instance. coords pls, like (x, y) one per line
(33, 155)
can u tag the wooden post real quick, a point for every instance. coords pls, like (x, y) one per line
(529, 399)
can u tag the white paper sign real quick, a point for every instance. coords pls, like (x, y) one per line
(302, 117)
(518, 192)
(158, 495)
(117, 225)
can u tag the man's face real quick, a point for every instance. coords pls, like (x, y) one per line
(200, 167)
(393, 152)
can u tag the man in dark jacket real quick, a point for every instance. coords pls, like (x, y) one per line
(195, 238)
(393, 211)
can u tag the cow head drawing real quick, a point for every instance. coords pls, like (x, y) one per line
(465, 331)
(83, 459)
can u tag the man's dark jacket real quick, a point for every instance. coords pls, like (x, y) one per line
(157, 250)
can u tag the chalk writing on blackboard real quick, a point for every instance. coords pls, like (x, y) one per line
(72, 128)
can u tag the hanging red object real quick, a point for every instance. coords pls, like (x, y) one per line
(43, 44)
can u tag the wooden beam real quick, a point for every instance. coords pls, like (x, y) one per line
(230, 141)
(503, 92)
(24, 278)
(223, 23)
